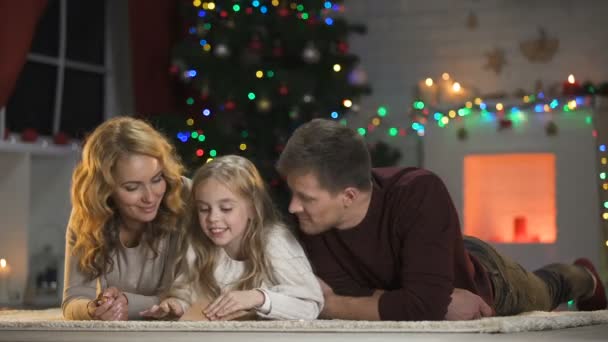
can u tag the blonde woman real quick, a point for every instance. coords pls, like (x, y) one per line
(127, 200)
(240, 259)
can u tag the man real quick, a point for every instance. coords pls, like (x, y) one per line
(386, 243)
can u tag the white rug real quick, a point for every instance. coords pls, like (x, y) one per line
(532, 321)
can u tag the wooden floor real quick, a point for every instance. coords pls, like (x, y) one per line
(588, 333)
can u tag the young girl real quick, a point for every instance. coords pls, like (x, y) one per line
(241, 259)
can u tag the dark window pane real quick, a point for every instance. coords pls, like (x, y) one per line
(33, 102)
(82, 107)
(46, 38)
(85, 31)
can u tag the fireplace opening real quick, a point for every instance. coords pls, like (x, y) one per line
(510, 198)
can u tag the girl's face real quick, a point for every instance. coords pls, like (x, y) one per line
(223, 215)
(140, 188)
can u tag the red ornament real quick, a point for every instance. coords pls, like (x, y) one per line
(61, 139)
(283, 12)
(29, 135)
(249, 10)
(223, 14)
(230, 105)
(255, 44)
(283, 90)
(342, 47)
(277, 50)
(504, 124)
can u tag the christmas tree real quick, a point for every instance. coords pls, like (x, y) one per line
(253, 71)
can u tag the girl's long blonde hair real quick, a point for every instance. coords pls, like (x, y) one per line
(240, 176)
(93, 219)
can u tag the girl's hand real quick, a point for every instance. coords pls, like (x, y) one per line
(168, 308)
(229, 303)
(111, 305)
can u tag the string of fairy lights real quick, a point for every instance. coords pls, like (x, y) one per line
(421, 113)
(574, 100)
(602, 142)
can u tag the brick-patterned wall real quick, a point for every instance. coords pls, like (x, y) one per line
(409, 40)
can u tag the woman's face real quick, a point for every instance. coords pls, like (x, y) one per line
(140, 187)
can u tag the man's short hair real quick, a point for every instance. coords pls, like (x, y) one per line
(335, 154)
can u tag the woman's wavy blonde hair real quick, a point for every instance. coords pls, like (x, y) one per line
(93, 218)
(240, 176)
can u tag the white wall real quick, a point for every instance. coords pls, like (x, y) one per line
(14, 208)
(578, 230)
(409, 40)
(34, 210)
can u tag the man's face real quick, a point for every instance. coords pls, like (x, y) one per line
(317, 209)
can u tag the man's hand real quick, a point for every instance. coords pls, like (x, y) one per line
(232, 302)
(111, 305)
(328, 296)
(326, 289)
(466, 305)
(351, 308)
(168, 308)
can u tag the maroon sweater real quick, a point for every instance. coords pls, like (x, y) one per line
(409, 244)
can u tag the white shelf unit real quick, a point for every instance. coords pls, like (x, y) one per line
(34, 210)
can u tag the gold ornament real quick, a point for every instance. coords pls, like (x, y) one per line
(541, 49)
(495, 60)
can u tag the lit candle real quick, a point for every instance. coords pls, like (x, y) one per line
(452, 93)
(571, 87)
(428, 91)
(5, 271)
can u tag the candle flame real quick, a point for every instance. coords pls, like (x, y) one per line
(456, 87)
(445, 76)
(429, 82)
(3, 263)
(571, 79)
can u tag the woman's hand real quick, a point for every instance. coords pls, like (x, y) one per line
(111, 305)
(233, 304)
(168, 308)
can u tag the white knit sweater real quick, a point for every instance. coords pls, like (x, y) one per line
(297, 295)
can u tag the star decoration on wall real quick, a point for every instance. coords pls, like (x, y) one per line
(495, 60)
(541, 49)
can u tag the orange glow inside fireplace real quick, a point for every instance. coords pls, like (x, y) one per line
(510, 198)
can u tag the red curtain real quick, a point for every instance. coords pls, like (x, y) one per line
(18, 21)
(153, 28)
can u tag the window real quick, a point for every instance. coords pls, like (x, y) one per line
(63, 86)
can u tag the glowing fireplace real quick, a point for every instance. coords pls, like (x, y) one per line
(510, 198)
